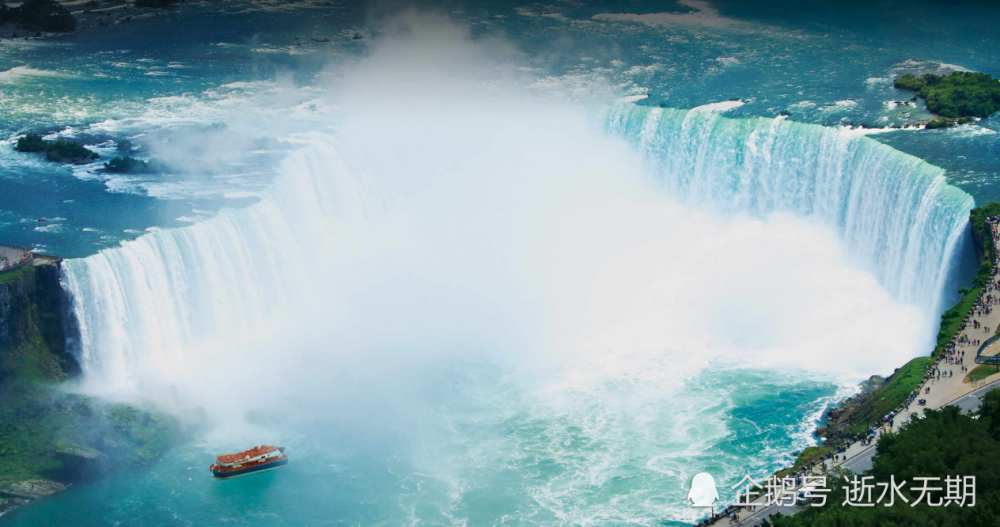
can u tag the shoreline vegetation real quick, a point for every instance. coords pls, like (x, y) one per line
(957, 98)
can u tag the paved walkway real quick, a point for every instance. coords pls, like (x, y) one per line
(10, 257)
(950, 389)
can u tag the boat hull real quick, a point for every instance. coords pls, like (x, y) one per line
(252, 470)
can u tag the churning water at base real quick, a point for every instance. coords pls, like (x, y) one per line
(485, 311)
(503, 455)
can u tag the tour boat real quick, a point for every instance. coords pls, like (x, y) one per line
(260, 458)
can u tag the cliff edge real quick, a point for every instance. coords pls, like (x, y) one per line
(33, 324)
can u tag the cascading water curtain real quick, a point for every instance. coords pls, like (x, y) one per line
(897, 214)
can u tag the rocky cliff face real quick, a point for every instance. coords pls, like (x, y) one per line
(33, 325)
(979, 241)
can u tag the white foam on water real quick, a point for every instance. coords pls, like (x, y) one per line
(51, 227)
(970, 130)
(718, 107)
(19, 72)
(840, 106)
(633, 98)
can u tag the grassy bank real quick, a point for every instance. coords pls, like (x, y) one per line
(895, 391)
(11, 276)
(981, 372)
(952, 319)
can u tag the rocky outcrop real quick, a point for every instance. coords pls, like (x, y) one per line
(73, 451)
(81, 461)
(840, 418)
(33, 324)
(979, 240)
(7, 504)
(15, 297)
(32, 489)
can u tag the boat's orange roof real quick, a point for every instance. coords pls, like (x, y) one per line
(246, 454)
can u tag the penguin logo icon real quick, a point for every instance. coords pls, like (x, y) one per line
(703, 492)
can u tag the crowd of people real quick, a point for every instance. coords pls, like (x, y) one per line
(983, 306)
(21, 255)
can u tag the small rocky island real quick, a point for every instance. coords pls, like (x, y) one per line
(957, 98)
(59, 151)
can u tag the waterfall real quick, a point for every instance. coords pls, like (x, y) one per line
(153, 296)
(150, 299)
(896, 213)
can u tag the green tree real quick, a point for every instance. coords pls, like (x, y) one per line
(30, 143)
(960, 94)
(944, 443)
(989, 412)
